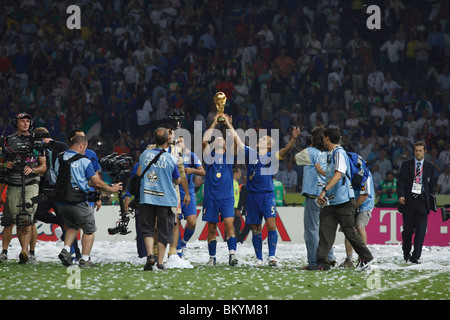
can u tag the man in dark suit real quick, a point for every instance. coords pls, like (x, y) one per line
(124, 46)
(416, 187)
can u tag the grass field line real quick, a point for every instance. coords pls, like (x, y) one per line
(400, 284)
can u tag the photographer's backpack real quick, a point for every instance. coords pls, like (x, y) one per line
(64, 192)
(359, 170)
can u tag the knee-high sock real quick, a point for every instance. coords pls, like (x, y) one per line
(272, 242)
(257, 245)
(232, 244)
(212, 245)
(187, 235)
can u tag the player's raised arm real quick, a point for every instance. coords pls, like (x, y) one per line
(208, 134)
(295, 134)
(238, 144)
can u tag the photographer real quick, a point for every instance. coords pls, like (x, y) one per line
(43, 211)
(157, 197)
(91, 155)
(388, 192)
(173, 149)
(75, 177)
(337, 200)
(314, 162)
(23, 166)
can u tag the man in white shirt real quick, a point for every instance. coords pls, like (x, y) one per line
(334, 77)
(115, 62)
(389, 87)
(289, 177)
(411, 124)
(443, 182)
(444, 85)
(375, 79)
(143, 116)
(313, 46)
(384, 165)
(392, 47)
(185, 40)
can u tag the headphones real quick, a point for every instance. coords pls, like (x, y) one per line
(21, 116)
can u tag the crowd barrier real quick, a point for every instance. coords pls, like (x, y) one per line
(384, 228)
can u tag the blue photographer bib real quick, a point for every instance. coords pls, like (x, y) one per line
(157, 186)
(342, 191)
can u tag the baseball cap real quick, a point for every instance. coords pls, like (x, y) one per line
(23, 115)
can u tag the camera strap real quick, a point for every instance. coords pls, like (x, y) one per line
(155, 159)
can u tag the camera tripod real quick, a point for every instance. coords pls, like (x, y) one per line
(23, 218)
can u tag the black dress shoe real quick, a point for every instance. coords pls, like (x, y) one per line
(415, 260)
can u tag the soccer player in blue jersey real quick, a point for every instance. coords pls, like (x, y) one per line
(261, 166)
(218, 203)
(192, 167)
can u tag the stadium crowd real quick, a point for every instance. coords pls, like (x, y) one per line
(281, 63)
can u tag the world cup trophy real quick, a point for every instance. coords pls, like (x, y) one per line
(220, 99)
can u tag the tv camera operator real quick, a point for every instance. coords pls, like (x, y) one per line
(44, 205)
(119, 166)
(23, 161)
(75, 175)
(175, 116)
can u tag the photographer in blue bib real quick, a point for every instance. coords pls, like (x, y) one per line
(75, 177)
(157, 198)
(338, 204)
(314, 162)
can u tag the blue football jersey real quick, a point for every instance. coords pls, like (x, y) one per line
(219, 176)
(260, 170)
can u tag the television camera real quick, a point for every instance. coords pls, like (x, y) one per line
(117, 166)
(176, 115)
(26, 148)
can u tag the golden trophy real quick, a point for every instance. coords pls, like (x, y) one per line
(220, 99)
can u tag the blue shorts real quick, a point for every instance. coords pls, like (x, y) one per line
(260, 205)
(218, 210)
(190, 209)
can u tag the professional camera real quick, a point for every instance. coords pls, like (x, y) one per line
(390, 192)
(116, 165)
(445, 212)
(176, 115)
(27, 145)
